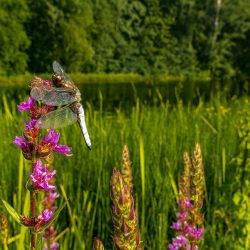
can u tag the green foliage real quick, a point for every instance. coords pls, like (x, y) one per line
(236, 217)
(12, 211)
(39, 242)
(181, 37)
(13, 36)
(58, 30)
(105, 35)
(220, 35)
(241, 199)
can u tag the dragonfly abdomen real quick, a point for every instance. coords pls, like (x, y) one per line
(83, 126)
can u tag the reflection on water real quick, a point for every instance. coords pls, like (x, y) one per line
(125, 95)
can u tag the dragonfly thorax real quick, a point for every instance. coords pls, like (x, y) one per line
(78, 95)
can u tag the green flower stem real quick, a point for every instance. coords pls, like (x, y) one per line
(32, 215)
(33, 237)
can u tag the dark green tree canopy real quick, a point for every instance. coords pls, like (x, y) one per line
(181, 37)
(13, 36)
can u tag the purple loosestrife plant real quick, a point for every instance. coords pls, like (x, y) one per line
(39, 150)
(126, 168)
(48, 201)
(40, 177)
(49, 238)
(126, 227)
(98, 245)
(4, 231)
(189, 226)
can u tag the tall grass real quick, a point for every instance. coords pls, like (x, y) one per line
(157, 137)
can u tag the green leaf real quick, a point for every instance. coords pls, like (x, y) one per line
(237, 198)
(12, 212)
(56, 214)
(39, 242)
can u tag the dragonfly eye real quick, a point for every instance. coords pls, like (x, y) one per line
(57, 80)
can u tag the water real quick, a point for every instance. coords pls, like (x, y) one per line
(125, 95)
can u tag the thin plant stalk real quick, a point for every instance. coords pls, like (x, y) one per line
(32, 216)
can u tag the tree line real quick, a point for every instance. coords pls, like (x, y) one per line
(176, 37)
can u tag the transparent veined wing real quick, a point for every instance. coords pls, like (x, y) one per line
(53, 96)
(38, 92)
(59, 118)
(58, 69)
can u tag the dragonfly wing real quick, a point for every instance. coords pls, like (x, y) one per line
(38, 92)
(58, 69)
(57, 119)
(59, 96)
(53, 96)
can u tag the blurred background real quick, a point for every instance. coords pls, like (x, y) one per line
(158, 75)
(183, 37)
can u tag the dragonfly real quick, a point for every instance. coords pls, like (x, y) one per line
(66, 98)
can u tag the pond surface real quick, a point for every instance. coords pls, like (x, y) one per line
(113, 96)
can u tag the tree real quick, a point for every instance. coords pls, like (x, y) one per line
(58, 30)
(131, 28)
(155, 38)
(222, 36)
(105, 35)
(183, 58)
(13, 38)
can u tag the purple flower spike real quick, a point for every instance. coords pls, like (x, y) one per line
(23, 144)
(191, 194)
(49, 199)
(188, 203)
(194, 232)
(48, 232)
(176, 226)
(40, 177)
(52, 138)
(53, 246)
(31, 124)
(182, 216)
(49, 144)
(46, 215)
(63, 149)
(178, 243)
(27, 105)
(54, 196)
(26, 146)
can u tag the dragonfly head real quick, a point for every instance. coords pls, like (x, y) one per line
(57, 80)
